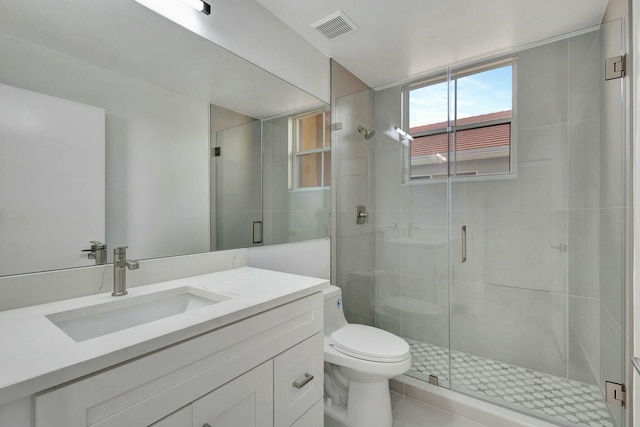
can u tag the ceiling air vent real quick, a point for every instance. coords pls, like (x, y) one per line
(335, 25)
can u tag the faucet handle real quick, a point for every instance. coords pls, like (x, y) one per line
(120, 253)
(95, 245)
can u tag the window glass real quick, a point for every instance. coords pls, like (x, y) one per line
(480, 139)
(310, 160)
(310, 132)
(428, 107)
(484, 94)
(309, 170)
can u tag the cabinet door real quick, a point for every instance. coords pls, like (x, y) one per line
(313, 418)
(180, 418)
(246, 401)
(298, 380)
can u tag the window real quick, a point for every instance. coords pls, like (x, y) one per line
(310, 150)
(462, 126)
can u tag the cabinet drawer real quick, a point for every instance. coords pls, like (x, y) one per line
(298, 380)
(313, 418)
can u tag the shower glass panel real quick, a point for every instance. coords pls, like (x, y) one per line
(353, 174)
(412, 222)
(537, 252)
(499, 255)
(238, 182)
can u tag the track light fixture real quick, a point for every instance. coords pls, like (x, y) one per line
(199, 5)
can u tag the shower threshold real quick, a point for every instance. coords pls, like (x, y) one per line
(557, 399)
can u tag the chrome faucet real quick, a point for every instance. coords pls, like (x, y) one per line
(98, 252)
(120, 266)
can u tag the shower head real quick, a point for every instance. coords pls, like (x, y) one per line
(368, 133)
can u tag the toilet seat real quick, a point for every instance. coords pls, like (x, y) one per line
(369, 343)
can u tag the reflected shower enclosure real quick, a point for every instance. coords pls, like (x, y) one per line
(269, 178)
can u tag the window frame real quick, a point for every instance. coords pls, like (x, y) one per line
(452, 75)
(294, 153)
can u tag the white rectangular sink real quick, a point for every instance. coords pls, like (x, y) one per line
(86, 323)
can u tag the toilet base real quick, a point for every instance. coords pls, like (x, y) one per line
(369, 404)
(335, 415)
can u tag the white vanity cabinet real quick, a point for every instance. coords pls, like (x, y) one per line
(240, 375)
(180, 418)
(246, 401)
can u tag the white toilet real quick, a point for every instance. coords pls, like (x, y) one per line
(359, 361)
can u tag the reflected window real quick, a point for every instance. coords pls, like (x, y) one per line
(462, 125)
(310, 150)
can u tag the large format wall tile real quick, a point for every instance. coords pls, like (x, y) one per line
(584, 357)
(542, 82)
(511, 325)
(585, 63)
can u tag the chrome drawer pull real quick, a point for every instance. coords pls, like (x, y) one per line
(307, 379)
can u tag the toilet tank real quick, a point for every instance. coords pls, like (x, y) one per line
(333, 315)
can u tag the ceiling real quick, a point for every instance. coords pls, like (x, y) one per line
(403, 38)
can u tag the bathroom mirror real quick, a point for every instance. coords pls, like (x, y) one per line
(166, 98)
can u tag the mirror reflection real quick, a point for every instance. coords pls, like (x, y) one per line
(109, 134)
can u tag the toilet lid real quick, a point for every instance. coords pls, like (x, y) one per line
(368, 343)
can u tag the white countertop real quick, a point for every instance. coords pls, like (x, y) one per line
(36, 355)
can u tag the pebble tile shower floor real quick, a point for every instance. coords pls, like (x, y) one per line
(554, 398)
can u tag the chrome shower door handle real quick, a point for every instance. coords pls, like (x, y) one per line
(462, 244)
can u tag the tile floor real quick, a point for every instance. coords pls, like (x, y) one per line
(411, 413)
(559, 399)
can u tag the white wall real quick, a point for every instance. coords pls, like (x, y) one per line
(157, 149)
(310, 258)
(43, 183)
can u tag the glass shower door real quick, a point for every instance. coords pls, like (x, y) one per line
(537, 247)
(413, 244)
(238, 183)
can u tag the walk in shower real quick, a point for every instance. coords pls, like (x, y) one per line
(496, 236)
